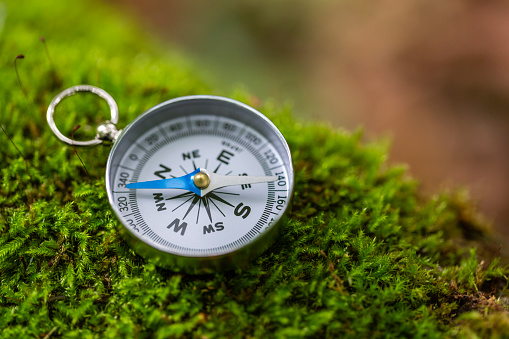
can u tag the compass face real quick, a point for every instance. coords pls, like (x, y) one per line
(178, 137)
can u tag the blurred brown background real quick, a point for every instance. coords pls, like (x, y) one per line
(434, 76)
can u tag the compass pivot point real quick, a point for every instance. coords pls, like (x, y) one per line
(201, 180)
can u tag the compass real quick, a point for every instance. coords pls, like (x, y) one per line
(198, 183)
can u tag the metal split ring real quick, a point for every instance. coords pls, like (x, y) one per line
(71, 91)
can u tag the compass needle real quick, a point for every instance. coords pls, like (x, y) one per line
(201, 182)
(161, 150)
(184, 182)
(219, 181)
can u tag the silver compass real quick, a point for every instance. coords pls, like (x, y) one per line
(198, 183)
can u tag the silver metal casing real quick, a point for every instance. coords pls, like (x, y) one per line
(215, 106)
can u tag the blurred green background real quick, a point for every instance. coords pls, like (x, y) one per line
(432, 76)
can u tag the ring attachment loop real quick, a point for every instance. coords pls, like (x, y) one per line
(71, 91)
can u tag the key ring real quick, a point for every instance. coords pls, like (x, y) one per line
(106, 130)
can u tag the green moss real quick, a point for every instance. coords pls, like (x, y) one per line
(360, 255)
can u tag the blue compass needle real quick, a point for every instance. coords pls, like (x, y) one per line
(201, 182)
(184, 182)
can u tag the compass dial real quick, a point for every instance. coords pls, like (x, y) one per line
(218, 136)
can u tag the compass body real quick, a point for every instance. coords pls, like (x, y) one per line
(181, 229)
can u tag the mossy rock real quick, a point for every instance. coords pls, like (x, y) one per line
(361, 254)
